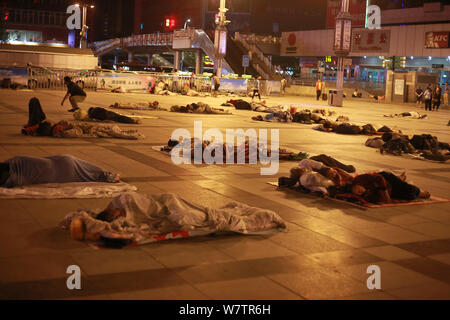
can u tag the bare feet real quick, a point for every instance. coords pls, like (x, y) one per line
(403, 176)
(137, 121)
(117, 178)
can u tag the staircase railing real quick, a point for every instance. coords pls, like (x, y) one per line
(253, 48)
(202, 41)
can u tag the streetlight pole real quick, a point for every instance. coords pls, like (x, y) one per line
(342, 41)
(220, 38)
(186, 23)
(85, 28)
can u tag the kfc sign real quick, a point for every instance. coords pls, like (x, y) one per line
(437, 40)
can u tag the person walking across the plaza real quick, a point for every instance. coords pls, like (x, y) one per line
(75, 94)
(216, 84)
(319, 88)
(427, 96)
(257, 88)
(437, 92)
(419, 95)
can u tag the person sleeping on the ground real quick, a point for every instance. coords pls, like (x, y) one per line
(315, 177)
(137, 106)
(411, 114)
(237, 151)
(426, 145)
(140, 217)
(348, 128)
(22, 171)
(105, 115)
(280, 116)
(382, 187)
(64, 129)
(200, 107)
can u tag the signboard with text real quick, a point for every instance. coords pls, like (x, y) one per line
(437, 40)
(128, 82)
(245, 61)
(357, 9)
(370, 40)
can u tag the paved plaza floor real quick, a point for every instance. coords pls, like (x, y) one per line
(324, 255)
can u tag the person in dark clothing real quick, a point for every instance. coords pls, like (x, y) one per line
(381, 188)
(103, 114)
(333, 163)
(35, 113)
(437, 92)
(400, 189)
(36, 126)
(419, 95)
(4, 172)
(427, 96)
(74, 93)
(347, 128)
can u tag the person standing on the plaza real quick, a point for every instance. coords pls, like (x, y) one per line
(319, 88)
(437, 92)
(427, 96)
(257, 88)
(216, 84)
(175, 87)
(192, 82)
(74, 93)
(283, 86)
(446, 93)
(419, 95)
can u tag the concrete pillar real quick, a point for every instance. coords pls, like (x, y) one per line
(130, 57)
(116, 60)
(198, 61)
(176, 60)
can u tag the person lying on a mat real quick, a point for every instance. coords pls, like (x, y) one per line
(382, 187)
(21, 171)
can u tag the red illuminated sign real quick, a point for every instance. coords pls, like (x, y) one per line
(437, 39)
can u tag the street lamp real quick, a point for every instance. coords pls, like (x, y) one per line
(220, 37)
(342, 41)
(84, 28)
(187, 22)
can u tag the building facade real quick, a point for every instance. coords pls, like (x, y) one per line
(410, 39)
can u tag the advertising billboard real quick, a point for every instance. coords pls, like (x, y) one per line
(437, 40)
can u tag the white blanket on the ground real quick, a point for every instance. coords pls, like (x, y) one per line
(73, 190)
(151, 218)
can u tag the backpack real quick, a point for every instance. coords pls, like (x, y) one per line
(427, 95)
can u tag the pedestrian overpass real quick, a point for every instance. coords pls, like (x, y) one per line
(189, 40)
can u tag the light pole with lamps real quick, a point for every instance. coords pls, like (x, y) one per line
(84, 28)
(220, 38)
(342, 42)
(187, 22)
